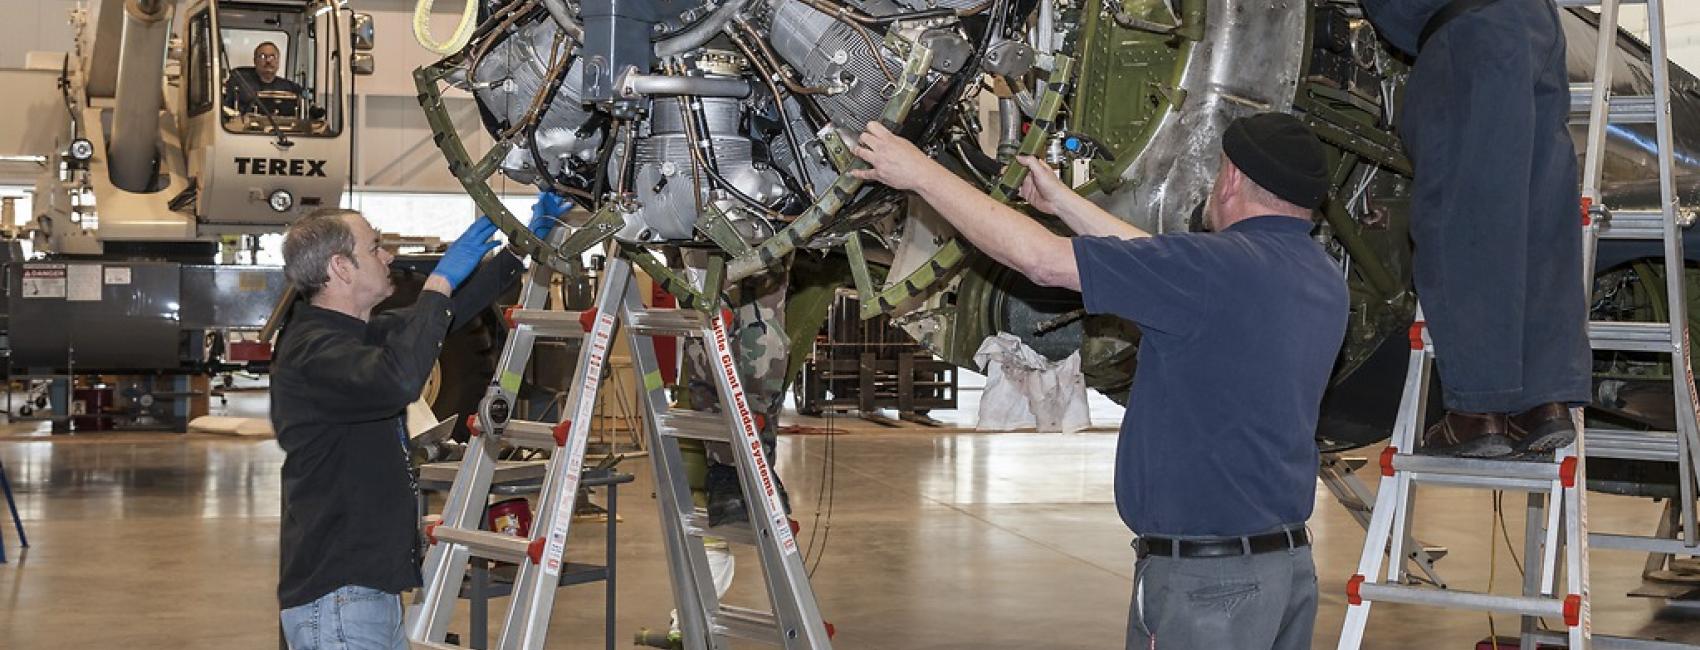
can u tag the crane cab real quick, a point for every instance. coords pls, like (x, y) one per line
(266, 90)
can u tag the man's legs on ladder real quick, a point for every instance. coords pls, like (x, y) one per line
(1556, 356)
(1479, 127)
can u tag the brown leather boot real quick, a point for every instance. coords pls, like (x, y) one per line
(1542, 428)
(1468, 435)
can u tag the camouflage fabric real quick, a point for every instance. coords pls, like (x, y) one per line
(761, 346)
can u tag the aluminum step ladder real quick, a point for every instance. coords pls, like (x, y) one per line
(1604, 110)
(1557, 521)
(794, 621)
(1339, 474)
(1594, 103)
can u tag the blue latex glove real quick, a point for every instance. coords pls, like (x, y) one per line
(546, 213)
(466, 252)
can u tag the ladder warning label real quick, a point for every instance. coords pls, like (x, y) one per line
(749, 437)
(576, 437)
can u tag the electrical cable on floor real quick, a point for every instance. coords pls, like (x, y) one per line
(816, 536)
(820, 494)
(1505, 534)
(821, 529)
(831, 462)
(1496, 520)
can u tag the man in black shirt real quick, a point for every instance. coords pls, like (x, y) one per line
(243, 90)
(341, 381)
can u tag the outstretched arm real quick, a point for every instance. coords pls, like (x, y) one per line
(1008, 236)
(1047, 193)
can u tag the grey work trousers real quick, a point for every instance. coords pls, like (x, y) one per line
(1495, 210)
(1246, 602)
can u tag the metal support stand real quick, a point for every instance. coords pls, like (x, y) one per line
(17, 521)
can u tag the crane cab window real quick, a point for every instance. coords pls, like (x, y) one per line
(280, 70)
(200, 62)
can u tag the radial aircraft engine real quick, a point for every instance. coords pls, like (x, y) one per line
(724, 127)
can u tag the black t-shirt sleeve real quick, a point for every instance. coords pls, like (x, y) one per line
(487, 283)
(1162, 283)
(357, 381)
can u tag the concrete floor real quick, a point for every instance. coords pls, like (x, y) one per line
(937, 540)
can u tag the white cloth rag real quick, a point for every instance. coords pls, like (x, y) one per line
(1025, 389)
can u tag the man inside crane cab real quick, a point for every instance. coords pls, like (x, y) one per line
(259, 89)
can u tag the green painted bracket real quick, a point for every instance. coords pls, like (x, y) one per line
(859, 264)
(713, 283)
(1339, 129)
(717, 227)
(669, 280)
(814, 219)
(676, 283)
(950, 257)
(601, 227)
(1132, 80)
(1345, 229)
(837, 152)
(474, 177)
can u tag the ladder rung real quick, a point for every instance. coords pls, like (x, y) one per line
(694, 425)
(1596, 3)
(680, 322)
(1452, 598)
(483, 543)
(749, 624)
(551, 322)
(430, 645)
(1620, 109)
(1483, 482)
(1479, 472)
(696, 525)
(1660, 446)
(1359, 507)
(1631, 336)
(507, 471)
(1635, 224)
(529, 433)
(1642, 544)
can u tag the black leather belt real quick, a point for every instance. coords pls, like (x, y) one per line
(1280, 540)
(1452, 11)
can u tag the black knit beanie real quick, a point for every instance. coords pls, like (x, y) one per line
(1281, 154)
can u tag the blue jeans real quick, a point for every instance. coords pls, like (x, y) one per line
(350, 618)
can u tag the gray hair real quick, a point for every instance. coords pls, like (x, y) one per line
(310, 244)
(1262, 196)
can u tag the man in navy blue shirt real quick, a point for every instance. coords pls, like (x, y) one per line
(1495, 217)
(1216, 464)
